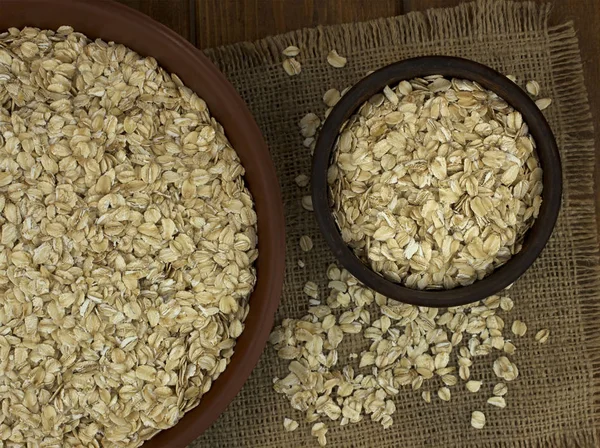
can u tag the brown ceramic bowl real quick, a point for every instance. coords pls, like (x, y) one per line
(547, 151)
(114, 22)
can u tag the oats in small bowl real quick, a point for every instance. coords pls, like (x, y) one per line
(428, 181)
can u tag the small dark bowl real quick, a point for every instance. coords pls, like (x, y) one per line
(534, 240)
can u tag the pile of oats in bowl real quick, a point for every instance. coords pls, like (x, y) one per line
(127, 244)
(435, 182)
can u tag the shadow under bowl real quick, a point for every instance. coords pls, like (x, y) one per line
(451, 67)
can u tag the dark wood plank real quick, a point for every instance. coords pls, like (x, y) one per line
(421, 5)
(176, 14)
(221, 22)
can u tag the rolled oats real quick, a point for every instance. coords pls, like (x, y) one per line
(311, 289)
(319, 430)
(331, 97)
(499, 402)
(307, 203)
(289, 424)
(306, 243)
(477, 419)
(426, 395)
(291, 51)
(452, 177)
(542, 336)
(533, 88)
(335, 60)
(309, 124)
(519, 328)
(292, 67)
(409, 346)
(500, 389)
(543, 103)
(444, 394)
(473, 386)
(505, 369)
(302, 180)
(128, 240)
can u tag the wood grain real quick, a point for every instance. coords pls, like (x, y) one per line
(422, 5)
(222, 22)
(175, 14)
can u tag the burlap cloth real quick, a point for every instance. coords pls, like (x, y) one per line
(554, 402)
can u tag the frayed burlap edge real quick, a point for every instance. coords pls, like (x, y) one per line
(578, 142)
(462, 22)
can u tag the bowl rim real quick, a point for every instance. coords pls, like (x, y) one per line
(109, 20)
(547, 150)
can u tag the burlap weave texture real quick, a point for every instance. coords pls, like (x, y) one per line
(554, 402)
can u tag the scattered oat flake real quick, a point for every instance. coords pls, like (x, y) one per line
(309, 142)
(464, 372)
(309, 124)
(319, 430)
(302, 180)
(500, 389)
(533, 87)
(519, 328)
(499, 402)
(509, 348)
(444, 394)
(473, 386)
(505, 369)
(331, 97)
(542, 336)
(477, 419)
(307, 203)
(291, 51)
(543, 103)
(335, 60)
(292, 67)
(506, 303)
(306, 243)
(301, 263)
(289, 424)
(311, 289)
(426, 395)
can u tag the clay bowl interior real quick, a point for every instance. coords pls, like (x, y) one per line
(114, 22)
(547, 151)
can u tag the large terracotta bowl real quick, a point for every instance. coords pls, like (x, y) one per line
(114, 22)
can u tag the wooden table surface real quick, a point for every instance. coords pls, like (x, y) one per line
(210, 23)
